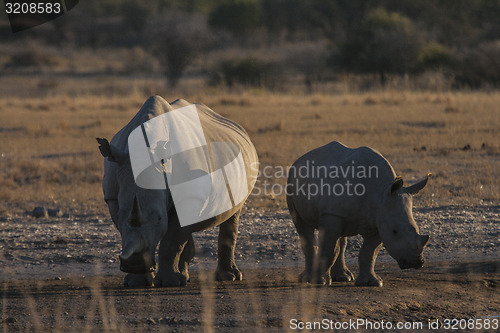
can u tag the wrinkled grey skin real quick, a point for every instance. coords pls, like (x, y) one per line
(146, 218)
(382, 214)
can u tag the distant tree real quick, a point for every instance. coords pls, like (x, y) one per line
(176, 40)
(457, 23)
(309, 59)
(435, 56)
(247, 72)
(136, 14)
(337, 18)
(286, 15)
(238, 17)
(241, 71)
(479, 66)
(178, 55)
(384, 43)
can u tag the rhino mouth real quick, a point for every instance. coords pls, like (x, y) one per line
(138, 263)
(406, 264)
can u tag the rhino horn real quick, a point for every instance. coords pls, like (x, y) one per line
(415, 188)
(135, 214)
(133, 244)
(422, 240)
(111, 152)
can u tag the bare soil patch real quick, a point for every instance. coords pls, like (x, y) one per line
(269, 299)
(61, 274)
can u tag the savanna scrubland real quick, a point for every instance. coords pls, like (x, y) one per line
(433, 108)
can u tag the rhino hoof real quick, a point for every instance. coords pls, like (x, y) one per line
(231, 275)
(371, 281)
(323, 279)
(172, 280)
(344, 276)
(138, 280)
(186, 276)
(304, 277)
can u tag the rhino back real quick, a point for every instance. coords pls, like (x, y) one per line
(220, 129)
(153, 107)
(216, 129)
(333, 164)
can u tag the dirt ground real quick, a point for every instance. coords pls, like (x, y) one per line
(71, 280)
(268, 299)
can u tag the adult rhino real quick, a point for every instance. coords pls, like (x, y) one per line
(146, 217)
(345, 192)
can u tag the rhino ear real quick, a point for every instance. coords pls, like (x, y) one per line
(415, 188)
(111, 152)
(397, 184)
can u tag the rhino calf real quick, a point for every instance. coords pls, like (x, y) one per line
(345, 192)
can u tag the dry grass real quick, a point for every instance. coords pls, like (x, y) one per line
(415, 131)
(49, 153)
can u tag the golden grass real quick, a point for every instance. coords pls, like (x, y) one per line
(49, 154)
(415, 131)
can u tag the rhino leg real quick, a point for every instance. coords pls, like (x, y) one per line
(328, 251)
(226, 267)
(339, 271)
(138, 280)
(306, 236)
(367, 256)
(171, 247)
(186, 257)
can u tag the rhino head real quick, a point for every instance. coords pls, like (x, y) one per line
(139, 214)
(396, 225)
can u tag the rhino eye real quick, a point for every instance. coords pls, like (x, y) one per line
(395, 232)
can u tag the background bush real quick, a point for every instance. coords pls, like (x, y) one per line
(246, 72)
(385, 43)
(368, 38)
(479, 67)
